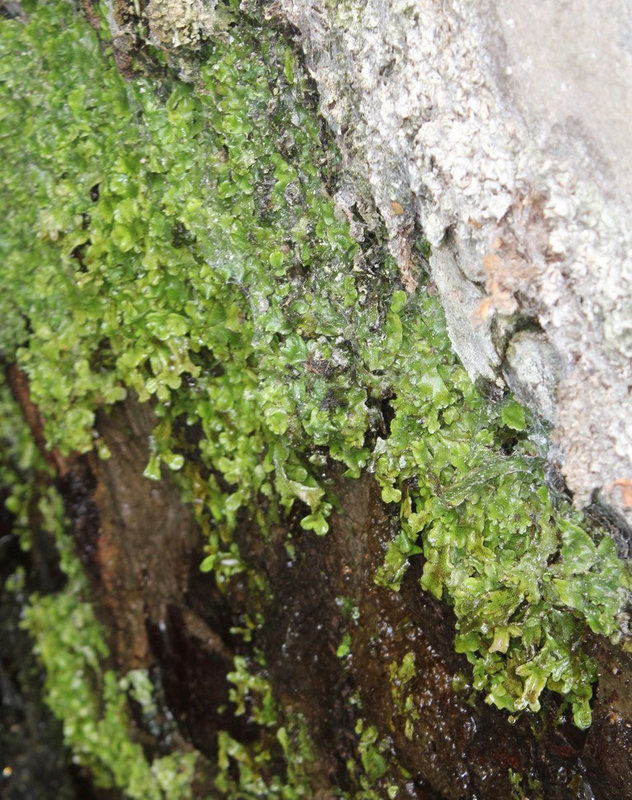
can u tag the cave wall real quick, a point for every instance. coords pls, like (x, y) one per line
(500, 130)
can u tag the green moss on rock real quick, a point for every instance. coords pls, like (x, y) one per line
(177, 241)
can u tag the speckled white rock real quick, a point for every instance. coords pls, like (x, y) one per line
(503, 128)
(180, 23)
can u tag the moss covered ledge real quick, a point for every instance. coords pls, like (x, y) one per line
(176, 241)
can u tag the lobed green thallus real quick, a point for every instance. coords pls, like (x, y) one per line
(176, 241)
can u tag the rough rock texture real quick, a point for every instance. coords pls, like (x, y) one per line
(439, 739)
(442, 740)
(180, 24)
(141, 548)
(501, 129)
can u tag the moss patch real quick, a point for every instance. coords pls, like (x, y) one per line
(177, 241)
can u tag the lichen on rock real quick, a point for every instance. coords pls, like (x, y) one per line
(177, 24)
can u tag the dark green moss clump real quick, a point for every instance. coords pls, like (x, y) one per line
(176, 241)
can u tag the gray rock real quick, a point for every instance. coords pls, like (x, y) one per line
(530, 370)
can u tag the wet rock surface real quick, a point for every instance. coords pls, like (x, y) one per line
(444, 739)
(142, 548)
(398, 676)
(454, 746)
(608, 747)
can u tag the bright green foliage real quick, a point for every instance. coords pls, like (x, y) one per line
(93, 705)
(401, 675)
(372, 766)
(20, 460)
(494, 543)
(89, 700)
(257, 765)
(175, 241)
(344, 648)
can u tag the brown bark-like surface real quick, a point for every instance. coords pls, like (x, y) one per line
(141, 548)
(140, 545)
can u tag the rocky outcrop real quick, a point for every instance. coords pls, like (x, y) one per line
(502, 135)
